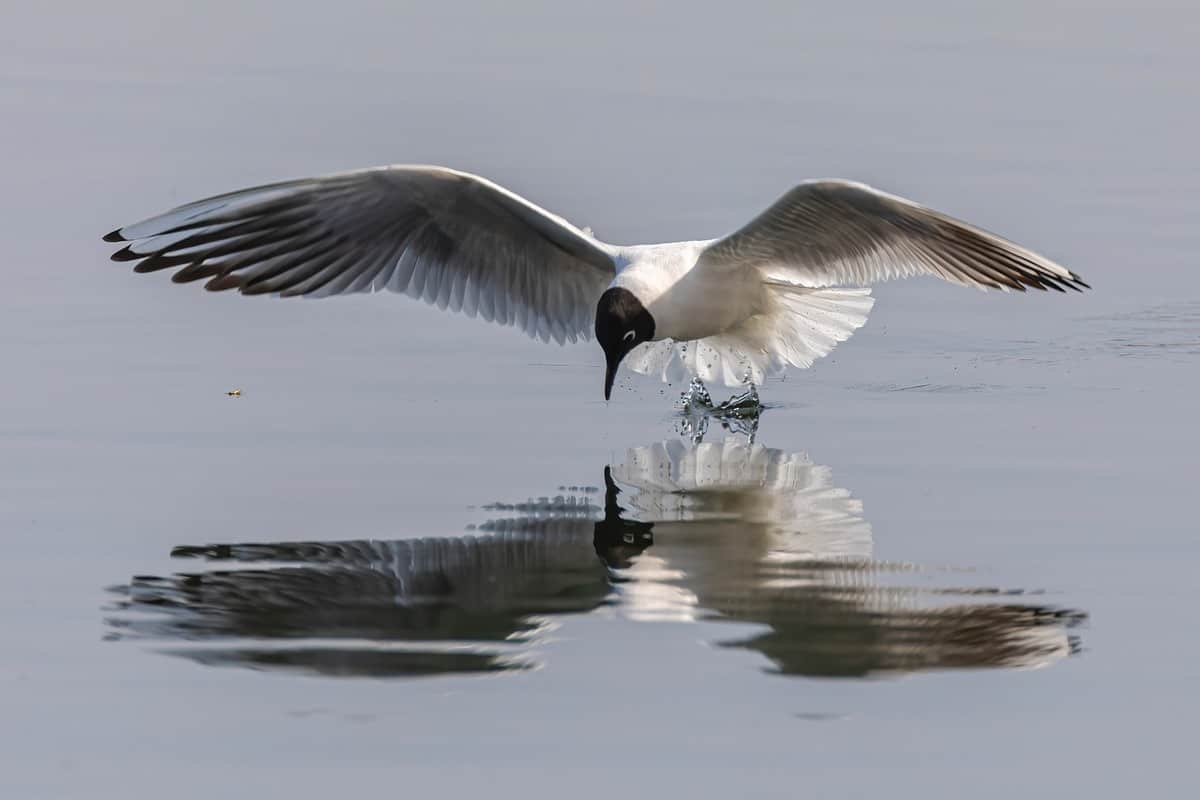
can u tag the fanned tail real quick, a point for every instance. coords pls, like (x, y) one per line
(804, 325)
(812, 322)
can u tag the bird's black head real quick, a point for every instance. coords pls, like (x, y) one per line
(622, 323)
(616, 539)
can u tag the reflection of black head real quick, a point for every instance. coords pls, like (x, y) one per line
(618, 540)
(622, 323)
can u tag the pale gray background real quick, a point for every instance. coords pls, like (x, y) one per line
(1054, 448)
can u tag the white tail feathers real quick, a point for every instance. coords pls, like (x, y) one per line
(801, 326)
(816, 320)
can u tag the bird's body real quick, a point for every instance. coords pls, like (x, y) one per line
(687, 303)
(781, 291)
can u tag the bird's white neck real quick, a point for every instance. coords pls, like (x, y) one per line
(683, 303)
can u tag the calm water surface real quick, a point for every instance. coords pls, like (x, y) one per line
(420, 554)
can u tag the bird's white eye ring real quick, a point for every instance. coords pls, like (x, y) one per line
(629, 335)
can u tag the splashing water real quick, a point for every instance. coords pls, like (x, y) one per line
(696, 399)
(739, 414)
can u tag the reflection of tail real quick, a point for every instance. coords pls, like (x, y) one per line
(785, 494)
(814, 631)
(804, 325)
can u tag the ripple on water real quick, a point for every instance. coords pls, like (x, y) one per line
(1170, 330)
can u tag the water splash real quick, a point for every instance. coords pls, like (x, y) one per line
(739, 414)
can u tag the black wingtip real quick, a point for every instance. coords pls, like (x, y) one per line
(115, 236)
(125, 254)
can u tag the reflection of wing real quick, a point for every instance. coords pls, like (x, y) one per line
(513, 572)
(749, 534)
(349, 662)
(477, 589)
(821, 629)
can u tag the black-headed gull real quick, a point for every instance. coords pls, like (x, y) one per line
(781, 291)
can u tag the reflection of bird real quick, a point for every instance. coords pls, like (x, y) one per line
(770, 295)
(725, 531)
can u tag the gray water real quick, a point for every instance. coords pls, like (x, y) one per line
(957, 558)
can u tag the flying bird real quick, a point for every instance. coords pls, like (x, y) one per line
(781, 291)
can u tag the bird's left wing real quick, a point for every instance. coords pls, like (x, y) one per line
(443, 236)
(833, 232)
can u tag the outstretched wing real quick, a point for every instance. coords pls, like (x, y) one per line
(833, 232)
(436, 234)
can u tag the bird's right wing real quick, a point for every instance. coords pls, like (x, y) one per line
(439, 235)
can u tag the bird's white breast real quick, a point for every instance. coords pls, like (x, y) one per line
(687, 303)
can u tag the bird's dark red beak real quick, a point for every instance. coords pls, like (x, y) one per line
(610, 374)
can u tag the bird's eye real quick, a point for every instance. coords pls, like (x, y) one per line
(629, 335)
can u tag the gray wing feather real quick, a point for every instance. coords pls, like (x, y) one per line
(832, 232)
(446, 237)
